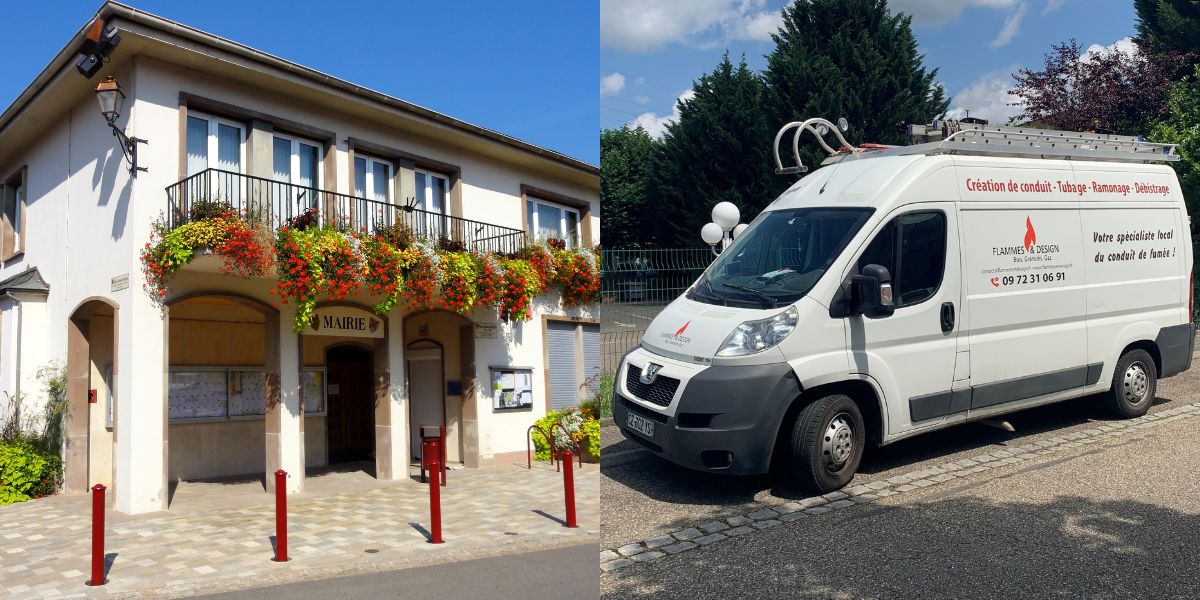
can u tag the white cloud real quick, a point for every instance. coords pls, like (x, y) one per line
(1125, 45)
(933, 13)
(656, 125)
(641, 80)
(1011, 27)
(987, 98)
(647, 25)
(612, 84)
(642, 99)
(1052, 5)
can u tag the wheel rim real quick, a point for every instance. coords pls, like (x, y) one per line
(1135, 385)
(837, 444)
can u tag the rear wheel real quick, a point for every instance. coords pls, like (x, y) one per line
(827, 442)
(1134, 384)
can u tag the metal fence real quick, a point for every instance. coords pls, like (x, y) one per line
(634, 286)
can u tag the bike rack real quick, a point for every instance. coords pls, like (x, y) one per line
(529, 440)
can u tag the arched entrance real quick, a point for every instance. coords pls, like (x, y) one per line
(350, 421)
(427, 398)
(91, 433)
(442, 383)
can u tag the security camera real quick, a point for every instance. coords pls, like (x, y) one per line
(96, 48)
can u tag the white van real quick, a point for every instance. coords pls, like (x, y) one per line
(906, 289)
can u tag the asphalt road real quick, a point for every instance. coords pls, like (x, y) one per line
(563, 573)
(1115, 520)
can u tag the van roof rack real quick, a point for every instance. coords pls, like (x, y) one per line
(956, 137)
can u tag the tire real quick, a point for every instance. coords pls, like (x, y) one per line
(827, 443)
(1134, 384)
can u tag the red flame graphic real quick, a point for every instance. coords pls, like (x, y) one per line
(682, 329)
(1030, 235)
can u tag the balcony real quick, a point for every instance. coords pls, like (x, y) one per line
(274, 202)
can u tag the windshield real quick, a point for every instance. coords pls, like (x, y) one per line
(779, 257)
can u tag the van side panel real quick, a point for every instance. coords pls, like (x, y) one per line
(1137, 258)
(1025, 296)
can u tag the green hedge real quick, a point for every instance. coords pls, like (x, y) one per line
(585, 431)
(27, 472)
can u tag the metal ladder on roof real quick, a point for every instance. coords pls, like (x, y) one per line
(954, 137)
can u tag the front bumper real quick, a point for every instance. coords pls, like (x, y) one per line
(722, 419)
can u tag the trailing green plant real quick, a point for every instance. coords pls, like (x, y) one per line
(54, 418)
(314, 261)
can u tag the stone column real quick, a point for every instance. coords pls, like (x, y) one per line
(391, 405)
(75, 464)
(284, 413)
(141, 444)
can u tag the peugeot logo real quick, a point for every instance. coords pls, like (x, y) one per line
(650, 373)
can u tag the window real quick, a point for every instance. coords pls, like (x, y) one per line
(297, 161)
(372, 179)
(13, 195)
(215, 143)
(918, 239)
(780, 257)
(549, 220)
(432, 195)
(432, 191)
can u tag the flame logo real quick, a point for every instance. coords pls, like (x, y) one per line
(682, 329)
(1030, 234)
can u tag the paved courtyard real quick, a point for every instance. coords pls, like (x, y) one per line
(219, 536)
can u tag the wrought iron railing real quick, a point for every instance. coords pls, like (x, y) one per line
(274, 202)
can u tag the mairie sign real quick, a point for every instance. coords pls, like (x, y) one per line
(344, 321)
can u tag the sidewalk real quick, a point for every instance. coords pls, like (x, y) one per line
(219, 536)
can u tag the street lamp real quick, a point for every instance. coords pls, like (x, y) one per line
(112, 99)
(724, 227)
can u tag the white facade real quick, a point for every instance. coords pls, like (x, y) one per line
(86, 218)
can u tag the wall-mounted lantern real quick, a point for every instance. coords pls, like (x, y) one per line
(112, 99)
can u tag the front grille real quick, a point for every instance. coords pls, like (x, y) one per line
(661, 392)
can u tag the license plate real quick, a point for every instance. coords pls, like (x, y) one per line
(640, 424)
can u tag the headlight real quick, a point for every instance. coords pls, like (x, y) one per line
(756, 336)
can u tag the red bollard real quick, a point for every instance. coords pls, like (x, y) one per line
(97, 536)
(569, 487)
(442, 451)
(432, 454)
(280, 516)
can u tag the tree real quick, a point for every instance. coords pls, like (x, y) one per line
(1107, 90)
(1168, 26)
(1182, 126)
(718, 150)
(853, 59)
(625, 156)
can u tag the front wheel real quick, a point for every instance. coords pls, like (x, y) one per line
(827, 443)
(1134, 384)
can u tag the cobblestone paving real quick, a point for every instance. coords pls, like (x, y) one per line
(772, 515)
(45, 545)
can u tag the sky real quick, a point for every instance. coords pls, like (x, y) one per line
(524, 69)
(652, 50)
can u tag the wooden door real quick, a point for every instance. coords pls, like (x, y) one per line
(351, 415)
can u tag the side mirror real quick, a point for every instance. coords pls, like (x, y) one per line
(871, 292)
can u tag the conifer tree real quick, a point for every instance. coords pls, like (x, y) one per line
(718, 150)
(854, 59)
(625, 156)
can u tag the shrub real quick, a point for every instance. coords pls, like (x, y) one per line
(585, 432)
(209, 209)
(27, 471)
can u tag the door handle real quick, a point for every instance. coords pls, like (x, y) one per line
(947, 316)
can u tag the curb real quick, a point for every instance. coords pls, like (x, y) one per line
(771, 515)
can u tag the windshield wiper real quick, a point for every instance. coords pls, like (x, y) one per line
(771, 303)
(711, 293)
